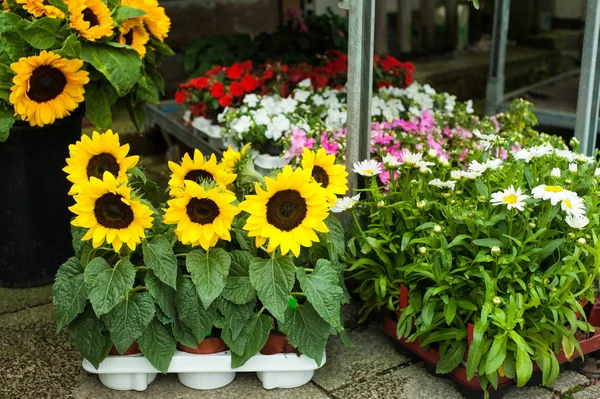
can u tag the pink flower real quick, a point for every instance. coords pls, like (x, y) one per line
(330, 147)
(463, 155)
(297, 143)
(427, 121)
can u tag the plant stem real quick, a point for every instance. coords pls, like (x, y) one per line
(140, 269)
(356, 221)
(261, 311)
(137, 289)
(181, 255)
(298, 294)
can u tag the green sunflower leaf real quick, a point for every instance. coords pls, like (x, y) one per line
(90, 338)
(306, 331)
(7, 120)
(40, 33)
(121, 13)
(273, 280)
(127, 321)
(160, 258)
(100, 96)
(71, 48)
(255, 335)
(235, 316)
(158, 344)
(209, 271)
(336, 242)
(323, 291)
(238, 288)
(163, 295)
(70, 292)
(108, 286)
(190, 309)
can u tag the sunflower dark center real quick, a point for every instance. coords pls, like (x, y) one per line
(46, 83)
(89, 16)
(46, 3)
(113, 213)
(101, 163)
(320, 176)
(128, 37)
(198, 174)
(202, 211)
(286, 210)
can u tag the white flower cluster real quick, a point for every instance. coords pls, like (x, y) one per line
(527, 154)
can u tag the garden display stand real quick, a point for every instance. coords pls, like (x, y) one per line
(205, 372)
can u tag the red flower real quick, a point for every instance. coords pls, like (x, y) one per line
(247, 65)
(389, 62)
(249, 83)
(319, 81)
(408, 79)
(217, 90)
(216, 69)
(268, 73)
(234, 71)
(226, 100)
(200, 83)
(236, 89)
(180, 96)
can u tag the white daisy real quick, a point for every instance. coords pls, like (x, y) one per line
(577, 221)
(582, 158)
(485, 140)
(368, 167)
(523, 155)
(424, 166)
(573, 167)
(410, 158)
(555, 172)
(442, 184)
(305, 83)
(538, 151)
(511, 198)
(477, 167)
(566, 154)
(573, 205)
(390, 161)
(467, 174)
(597, 172)
(553, 193)
(344, 204)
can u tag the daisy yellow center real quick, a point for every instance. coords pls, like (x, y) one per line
(89, 16)
(369, 171)
(553, 189)
(198, 174)
(568, 204)
(286, 210)
(321, 176)
(111, 212)
(202, 211)
(46, 83)
(510, 199)
(100, 163)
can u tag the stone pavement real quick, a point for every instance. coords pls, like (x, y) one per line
(35, 362)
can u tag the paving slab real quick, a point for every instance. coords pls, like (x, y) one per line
(373, 352)
(34, 361)
(568, 380)
(591, 392)
(245, 385)
(529, 393)
(13, 299)
(412, 382)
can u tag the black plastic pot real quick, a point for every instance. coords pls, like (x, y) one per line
(35, 234)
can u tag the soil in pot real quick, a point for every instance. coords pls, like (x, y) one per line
(277, 343)
(132, 350)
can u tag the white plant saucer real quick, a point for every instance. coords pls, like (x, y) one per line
(265, 163)
(205, 372)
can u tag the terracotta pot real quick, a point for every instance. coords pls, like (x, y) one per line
(132, 350)
(277, 343)
(206, 347)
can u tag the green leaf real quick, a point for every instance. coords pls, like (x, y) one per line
(146, 92)
(121, 13)
(476, 349)
(136, 111)
(108, 286)
(450, 310)
(71, 48)
(191, 311)
(70, 292)
(163, 295)
(306, 331)
(238, 288)
(157, 344)
(236, 316)
(100, 96)
(7, 121)
(488, 242)
(90, 338)
(61, 5)
(77, 234)
(336, 240)
(322, 291)
(40, 33)
(496, 354)
(524, 367)
(159, 257)
(452, 357)
(127, 321)
(257, 331)
(209, 271)
(160, 47)
(273, 280)
(121, 66)
(482, 189)
(184, 334)
(9, 22)
(428, 312)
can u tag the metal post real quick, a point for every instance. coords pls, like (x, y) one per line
(495, 84)
(360, 82)
(586, 122)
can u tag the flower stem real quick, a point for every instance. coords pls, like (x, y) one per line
(140, 269)
(298, 294)
(356, 221)
(181, 255)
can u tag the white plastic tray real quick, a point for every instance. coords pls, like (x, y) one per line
(265, 163)
(205, 371)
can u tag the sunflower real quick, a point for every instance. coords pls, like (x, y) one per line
(91, 157)
(46, 87)
(38, 8)
(91, 18)
(288, 212)
(5, 6)
(155, 19)
(109, 212)
(202, 215)
(134, 35)
(333, 178)
(197, 168)
(231, 157)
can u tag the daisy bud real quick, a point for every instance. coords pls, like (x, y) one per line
(380, 204)
(481, 198)
(437, 229)
(546, 282)
(532, 225)
(581, 241)
(589, 237)
(413, 181)
(573, 167)
(432, 153)
(571, 236)
(553, 289)
(568, 181)
(422, 250)
(530, 286)
(453, 202)
(496, 250)
(459, 192)
(555, 172)
(446, 195)
(497, 300)
(421, 204)
(470, 214)
(515, 275)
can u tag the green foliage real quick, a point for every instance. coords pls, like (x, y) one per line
(108, 286)
(128, 320)
(70, 292)
(273, 280)
(209, 271)
(159, 257)
(158, 345)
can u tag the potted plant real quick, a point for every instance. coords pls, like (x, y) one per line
(486, 258)
(60, 61)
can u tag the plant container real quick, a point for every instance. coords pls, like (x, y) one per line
(204, 372)
(432, 356)
(205, 128)
(34, 215)
(266, 163)
(277, 343)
